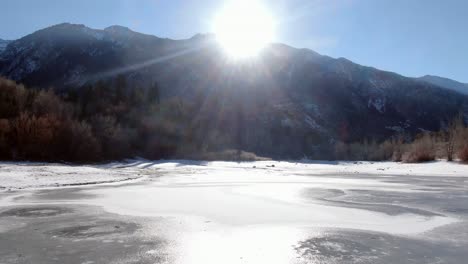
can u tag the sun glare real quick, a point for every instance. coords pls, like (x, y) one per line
(243, 28)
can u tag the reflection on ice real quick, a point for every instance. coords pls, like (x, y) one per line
(254, 244)
(244, 196)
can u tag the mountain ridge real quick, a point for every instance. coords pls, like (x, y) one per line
(446, 83)
(3, 44)
(292, 97)
(122, 30)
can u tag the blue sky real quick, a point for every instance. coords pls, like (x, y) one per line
(411, 37)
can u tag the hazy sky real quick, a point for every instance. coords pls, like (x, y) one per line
(411, 37)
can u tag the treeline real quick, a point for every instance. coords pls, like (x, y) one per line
(104, 121)
(112, 120)
(449, 144)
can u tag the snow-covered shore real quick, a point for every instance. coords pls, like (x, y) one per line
(25, 175)
(436, 168)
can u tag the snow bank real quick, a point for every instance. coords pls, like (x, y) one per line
(41, 175)
(437, 168)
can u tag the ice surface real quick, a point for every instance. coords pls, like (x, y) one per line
(261, 212)
(249, 194)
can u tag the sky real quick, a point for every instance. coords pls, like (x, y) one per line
(410, 37)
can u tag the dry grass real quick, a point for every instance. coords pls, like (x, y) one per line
(418, 156)
(421, 150)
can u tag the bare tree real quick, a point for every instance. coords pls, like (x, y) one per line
(451, 137)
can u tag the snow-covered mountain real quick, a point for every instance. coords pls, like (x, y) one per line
(446, 83)
(300, 94)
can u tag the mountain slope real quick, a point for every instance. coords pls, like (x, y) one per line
(3, 44)
(446, 83)
(285, 102)
(73, 50)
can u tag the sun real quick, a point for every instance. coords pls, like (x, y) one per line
(244, 28)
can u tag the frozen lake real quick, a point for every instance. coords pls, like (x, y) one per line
(224, 212)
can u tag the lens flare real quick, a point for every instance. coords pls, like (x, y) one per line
(243, 28)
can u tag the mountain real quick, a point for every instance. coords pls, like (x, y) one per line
(446, 83)
(69, 52)
(288, 100)
(3, 44)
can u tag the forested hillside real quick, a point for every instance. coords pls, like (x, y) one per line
(108, 121)
(99, 122)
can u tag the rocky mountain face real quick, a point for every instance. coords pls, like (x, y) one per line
(3, 44)
(285, 102)
(446, 83)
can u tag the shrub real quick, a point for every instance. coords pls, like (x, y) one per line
(341, 151)
(227, 155)
(463, 154)
(421, 150)
(36, 137)
(397, 156)
(4, 135)
(83, 146)
(383, 151)
(13, 98)
(417, 156)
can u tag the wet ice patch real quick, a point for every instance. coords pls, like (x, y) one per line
(335, 250)
(93, 230)
(36, 211)
(342, 246)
